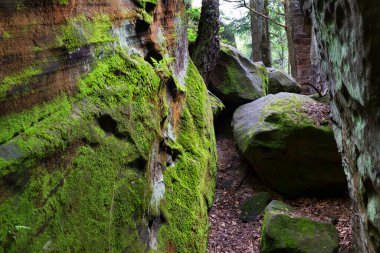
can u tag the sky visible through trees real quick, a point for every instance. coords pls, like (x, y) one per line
(237, 21)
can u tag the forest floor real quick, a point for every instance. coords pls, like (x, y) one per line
(229, 234)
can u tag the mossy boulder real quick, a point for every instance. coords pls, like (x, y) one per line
(284, 233)
(280, 81)
(254, 206)
(236, 79)
(290, 146)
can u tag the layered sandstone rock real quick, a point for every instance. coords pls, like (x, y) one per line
(106, 139)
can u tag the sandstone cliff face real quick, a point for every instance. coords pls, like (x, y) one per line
(106, 139)
(348, 42)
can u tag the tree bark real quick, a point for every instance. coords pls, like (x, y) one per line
(299, 35)
(207, 45)
(261, 50)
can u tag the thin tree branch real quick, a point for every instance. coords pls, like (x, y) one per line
(320, 94)
(264, 16)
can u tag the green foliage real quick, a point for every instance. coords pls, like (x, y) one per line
(279, 42)
(194, 15)
(241, 27)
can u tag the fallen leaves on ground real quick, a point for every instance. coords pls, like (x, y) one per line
(229, 234)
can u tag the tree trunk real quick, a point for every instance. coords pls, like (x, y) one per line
(303, 59)
(261, 50)
(289, 34)
(207, 45)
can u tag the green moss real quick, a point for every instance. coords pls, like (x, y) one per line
(190, 183)
(91, 187)
(280, 231)
(253, 206)
(216, 105)
(239, 76)
(17, 123)
(147, 17)
(263, 72)
(23, 77)
(80, 31)
(81, 185)
(287, 113)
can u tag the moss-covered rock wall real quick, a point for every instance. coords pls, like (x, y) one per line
(348, 42)
(106, 140)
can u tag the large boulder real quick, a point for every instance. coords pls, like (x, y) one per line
(236, 79)
(282, 232)
(290, 144)
(280, 81)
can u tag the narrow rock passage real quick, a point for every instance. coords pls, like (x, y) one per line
(229, 234)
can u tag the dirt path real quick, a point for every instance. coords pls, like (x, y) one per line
(229, 234)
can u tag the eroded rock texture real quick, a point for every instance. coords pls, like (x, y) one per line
(106, 140)
(348, 42)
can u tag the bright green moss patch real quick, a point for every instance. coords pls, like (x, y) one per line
(80, 31)
(216, 105)
(92, 195)
(115, 81)
(14, 124)
(24, 77)
(190, 183)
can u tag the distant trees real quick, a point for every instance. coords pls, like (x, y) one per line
(266, 22)
(261, 48)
